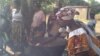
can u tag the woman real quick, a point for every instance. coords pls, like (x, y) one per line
(50, 46)
(51, 22)
(79, 36)
(38, 25)
(17, 26)
(92, 22)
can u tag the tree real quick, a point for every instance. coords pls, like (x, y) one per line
(3, 3)
(94, 6)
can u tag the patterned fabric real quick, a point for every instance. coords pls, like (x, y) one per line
(78, 31)
(79, 41)
(77, 44)
(17, 29)
(65, 11)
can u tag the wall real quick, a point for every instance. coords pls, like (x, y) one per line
(83, 12)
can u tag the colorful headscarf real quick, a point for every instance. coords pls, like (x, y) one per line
(65, 11)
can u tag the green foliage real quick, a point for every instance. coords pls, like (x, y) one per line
(48, 8)
(48, 5)
(95, 9)
(73, 2)
(3, 3)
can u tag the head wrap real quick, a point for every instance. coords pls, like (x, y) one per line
(67, 10)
